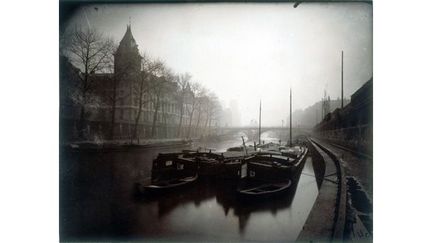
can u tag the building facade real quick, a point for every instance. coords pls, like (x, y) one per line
(351, 126)
(116, 112)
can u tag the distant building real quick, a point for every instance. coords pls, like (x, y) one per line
(351, 125)
(227, 118)
(235, 113)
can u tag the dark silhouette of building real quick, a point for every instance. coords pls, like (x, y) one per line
(351, 126)
(127, 60)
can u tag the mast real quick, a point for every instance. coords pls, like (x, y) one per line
(259, 128)
(244, 146)
(290, 118)
(280, 134)
(342, 81)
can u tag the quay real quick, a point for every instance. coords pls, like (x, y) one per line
(332, 217)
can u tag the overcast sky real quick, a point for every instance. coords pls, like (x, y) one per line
(247, 52)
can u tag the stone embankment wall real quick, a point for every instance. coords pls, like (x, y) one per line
(351, 126)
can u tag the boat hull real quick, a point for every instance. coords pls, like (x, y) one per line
(264, 189)
(167, 185)
(232, 170)
(271, 175)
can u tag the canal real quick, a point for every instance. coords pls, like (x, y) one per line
(97, 202)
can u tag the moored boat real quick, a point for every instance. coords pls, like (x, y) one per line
(232, 168)
(266, 189)
(170, 170)
(209, 164)
(271, 173)
(172, 165)
(269, 165)
(167, 184)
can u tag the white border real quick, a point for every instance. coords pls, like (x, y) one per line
(29, 121)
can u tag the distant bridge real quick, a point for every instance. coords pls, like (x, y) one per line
(252, 132)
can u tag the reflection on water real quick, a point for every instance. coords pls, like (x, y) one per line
(97, 202)
(211, 210)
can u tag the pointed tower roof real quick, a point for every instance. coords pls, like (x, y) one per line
(128, 42)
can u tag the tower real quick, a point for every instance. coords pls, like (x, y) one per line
(127, 68)
(127, 60)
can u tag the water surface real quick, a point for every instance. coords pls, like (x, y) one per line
(97, 202)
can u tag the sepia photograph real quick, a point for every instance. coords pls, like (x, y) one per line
(215, 121)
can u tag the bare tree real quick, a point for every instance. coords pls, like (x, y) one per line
(201, 107)
(207, 109)
(90, 51)
(161, 84)
(143, 87)
(195, 90)
(212, 107)
(183, 82)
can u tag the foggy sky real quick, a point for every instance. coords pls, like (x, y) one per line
(247, 52)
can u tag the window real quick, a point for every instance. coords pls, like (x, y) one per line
(180, 166)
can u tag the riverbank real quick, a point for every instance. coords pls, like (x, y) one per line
(343, 203)
(359, 183)
(126, 141)
(114, 145)
(327, 218)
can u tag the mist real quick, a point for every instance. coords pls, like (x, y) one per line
(245, 53)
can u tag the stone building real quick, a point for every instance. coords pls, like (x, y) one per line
(159, 117)
(351, 126)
